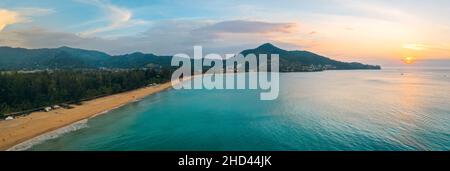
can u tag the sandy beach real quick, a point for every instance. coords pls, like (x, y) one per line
(21, 129)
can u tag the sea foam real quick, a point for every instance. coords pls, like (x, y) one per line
(50, 135)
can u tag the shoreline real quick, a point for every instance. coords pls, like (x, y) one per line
(22, 129)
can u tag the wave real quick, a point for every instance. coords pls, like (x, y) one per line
(50, 135)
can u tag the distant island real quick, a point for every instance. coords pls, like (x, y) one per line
(14, 59)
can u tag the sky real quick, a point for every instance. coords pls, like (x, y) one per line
(372, 31)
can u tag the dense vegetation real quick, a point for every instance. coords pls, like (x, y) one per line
(23, 91)
(72, 58)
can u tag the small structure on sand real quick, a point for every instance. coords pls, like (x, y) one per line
(47, 109)
(9, 118)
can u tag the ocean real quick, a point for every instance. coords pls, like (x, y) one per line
(391, 109)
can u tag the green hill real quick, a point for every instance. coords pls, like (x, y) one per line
(72, 58)
(299, 61)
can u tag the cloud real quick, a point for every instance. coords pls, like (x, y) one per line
(427, 47)
(378, 10)
(21, 15)
(34, 11)
(116, 17)
(8, 17)
(243, 26)
(163, 37)
(43, 38)
(241, 33)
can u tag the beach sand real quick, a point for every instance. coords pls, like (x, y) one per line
(21, 129)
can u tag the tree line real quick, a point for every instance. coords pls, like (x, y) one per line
(23, 91)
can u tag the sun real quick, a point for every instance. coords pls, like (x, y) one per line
(408, 60)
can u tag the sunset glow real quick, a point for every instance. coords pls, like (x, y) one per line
(7, 17)
(408, 60)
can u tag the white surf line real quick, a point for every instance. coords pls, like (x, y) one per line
(49, 135)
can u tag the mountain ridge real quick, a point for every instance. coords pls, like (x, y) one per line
(64, 57)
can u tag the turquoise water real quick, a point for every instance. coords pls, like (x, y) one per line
(333, 110)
